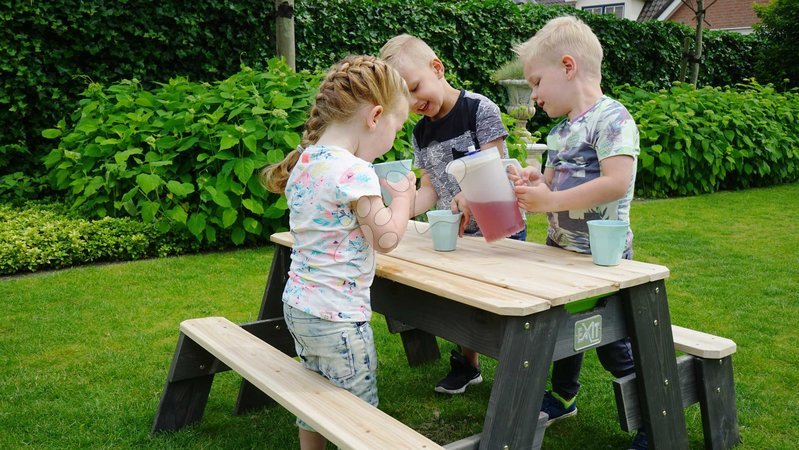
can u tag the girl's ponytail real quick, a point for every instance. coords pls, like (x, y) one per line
(275, 177)
(354, 81)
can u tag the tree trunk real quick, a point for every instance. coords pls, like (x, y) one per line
(284, 29)
(700, 20)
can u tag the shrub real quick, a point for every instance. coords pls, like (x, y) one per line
(779, 26)
(46, 236)
(52, 49)
(56, 48)
(185, 155)
(696, 141)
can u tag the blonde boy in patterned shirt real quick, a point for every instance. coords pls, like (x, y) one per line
(589, 174)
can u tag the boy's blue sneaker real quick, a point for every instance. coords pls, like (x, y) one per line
(461, 374)
(557, 408)
(640, 441)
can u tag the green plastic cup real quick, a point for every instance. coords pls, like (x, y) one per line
(608, 238)
(444, 229)
(393, 171)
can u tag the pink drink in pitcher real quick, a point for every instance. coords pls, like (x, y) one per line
(486, 187)
(493, 219)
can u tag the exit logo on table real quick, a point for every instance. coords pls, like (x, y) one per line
(587, 332)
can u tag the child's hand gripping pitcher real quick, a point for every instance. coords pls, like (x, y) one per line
(485, 185)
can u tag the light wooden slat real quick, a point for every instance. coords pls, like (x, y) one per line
(502, 266)
(702, 344)
(626, 274)
(485, 296)
(346, 420)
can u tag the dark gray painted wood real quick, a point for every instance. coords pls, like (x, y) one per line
(250, 397)
(395, 326)
(520, 379)
(465, 325)
(717, 403)
(187, 387)
(275, 333)
(613, 327)
(473, 442)
(649, 325)
(626, 392)
(272, 302)
(420, 347)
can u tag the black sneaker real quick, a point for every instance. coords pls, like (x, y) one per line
(461, 374)
(640, 441)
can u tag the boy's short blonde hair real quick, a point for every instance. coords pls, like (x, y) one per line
(405, 48)
(565, 35)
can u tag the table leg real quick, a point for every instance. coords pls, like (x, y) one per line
(528, 344)
(187, 387)
(649, 325)
(250, 397)
(420, 346)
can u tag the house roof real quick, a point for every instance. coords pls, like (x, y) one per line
(653, 9)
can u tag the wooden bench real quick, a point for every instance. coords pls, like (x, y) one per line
(706, 377)
(343, 418)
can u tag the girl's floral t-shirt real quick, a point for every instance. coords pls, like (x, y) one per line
(332, 264)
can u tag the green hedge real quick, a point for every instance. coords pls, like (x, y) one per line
(185, 155)
(55, 49)
(40, 236)
(696, 141)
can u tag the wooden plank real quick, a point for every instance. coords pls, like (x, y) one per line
(520, 381)
(627, 273)
(502, 266)
(702, 344)
(485, 296)
(476, 260)
(626, 391)
(649, 325)
(188, 384)
(473, 442)
(717, 403)
(425, 311)
(346, 420)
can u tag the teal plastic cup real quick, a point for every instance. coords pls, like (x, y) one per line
(608, 238)
(444, 229)
(393, 171)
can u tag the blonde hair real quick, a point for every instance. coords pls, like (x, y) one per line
(560, 36)
(405, 48)
(352, 82)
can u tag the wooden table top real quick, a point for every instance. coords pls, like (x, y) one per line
(506, 277)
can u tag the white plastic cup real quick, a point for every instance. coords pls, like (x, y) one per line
(444, 229)
(608, 238)
(392, 171)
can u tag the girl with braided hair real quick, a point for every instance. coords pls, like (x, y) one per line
(338, 220)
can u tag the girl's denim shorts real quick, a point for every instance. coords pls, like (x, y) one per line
(342, 352)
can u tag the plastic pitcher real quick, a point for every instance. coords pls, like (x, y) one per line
(485, 185)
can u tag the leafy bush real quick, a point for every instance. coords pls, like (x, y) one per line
(185, 155)
(779, 26)
(52, 49)
(696, 141)
(40, 236)
(56, 48)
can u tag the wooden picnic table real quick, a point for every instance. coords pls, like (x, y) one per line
(507, 300)
(518, 302)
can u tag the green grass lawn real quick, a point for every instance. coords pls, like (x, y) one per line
(84, 352)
